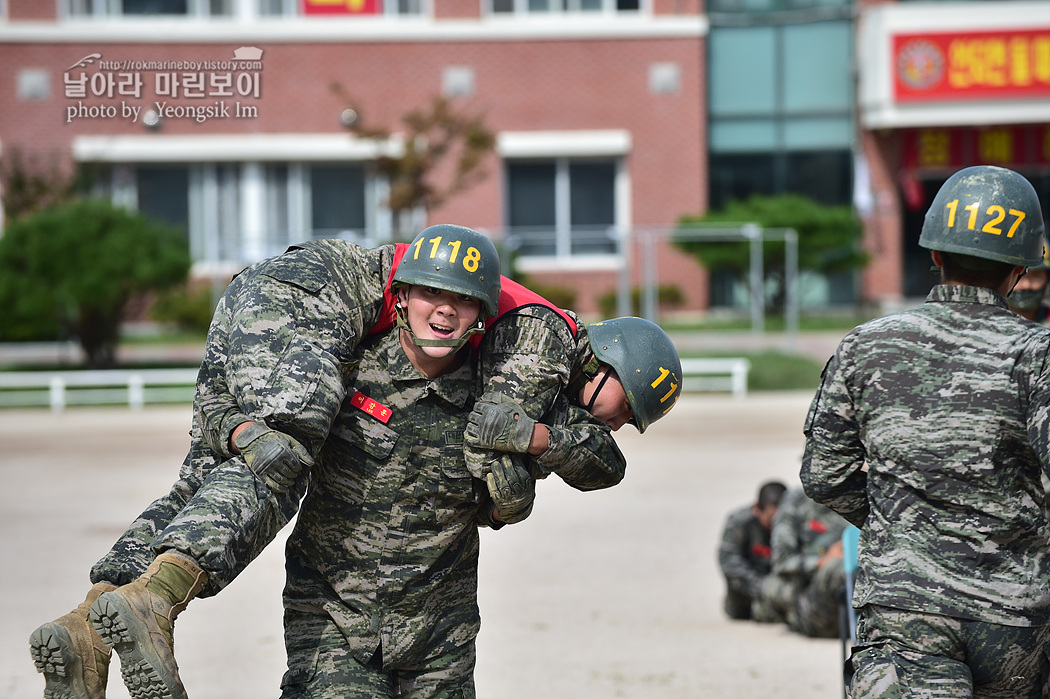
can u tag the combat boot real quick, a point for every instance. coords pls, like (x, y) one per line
(138, 621)
(70, 655)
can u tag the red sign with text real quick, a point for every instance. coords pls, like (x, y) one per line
(340, 7)
(951, 148)
(1005, 64)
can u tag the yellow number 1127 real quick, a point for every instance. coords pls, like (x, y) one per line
(995, 213)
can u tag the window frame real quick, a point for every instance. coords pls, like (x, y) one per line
(521, 8)
(230, 221)
(241, 10)
(114, 9)
(565, 232)
(536, 146)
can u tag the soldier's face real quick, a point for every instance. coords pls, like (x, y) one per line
(764, 515)
(610, 406)
(436, 314)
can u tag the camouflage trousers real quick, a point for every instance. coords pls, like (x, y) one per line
(737, 604)
(903, 654)
(133, 551)
(222, 516)
(321, 665)
(777, 595)
(818, 608)
(808, 607)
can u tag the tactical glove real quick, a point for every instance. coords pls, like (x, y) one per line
(479, 461)
(511, 488)
(499, 423)
(273, 456)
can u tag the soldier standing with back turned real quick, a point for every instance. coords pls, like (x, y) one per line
(947, 405)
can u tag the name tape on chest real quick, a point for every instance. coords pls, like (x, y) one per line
(373, 408)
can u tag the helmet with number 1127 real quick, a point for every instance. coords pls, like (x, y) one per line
(986, 212)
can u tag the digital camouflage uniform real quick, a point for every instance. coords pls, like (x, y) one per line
(277, 353)
(744, 556)
(385, 549)
(533, 356)
(278, 350)
(233, 516)
(947, 405)
(800, 591)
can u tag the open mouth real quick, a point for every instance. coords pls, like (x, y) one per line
(442, 331)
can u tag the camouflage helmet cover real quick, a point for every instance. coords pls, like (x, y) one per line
(453, 258)
(987, 212)
(646, 362)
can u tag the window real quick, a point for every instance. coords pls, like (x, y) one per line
(237, 213)
(521, 7)
(222, 211)
(278, 205)
(799, 87)
(139, 8)
(791, 130)
(823, 176)
(760, 6)
(241, 9)
(337, 201)
(163, 194)
(563, 207)
(781, 116)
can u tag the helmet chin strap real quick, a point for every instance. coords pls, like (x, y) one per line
(454, 342)
(1019, 277)
(594, 396)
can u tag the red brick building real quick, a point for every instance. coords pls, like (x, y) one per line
(943, 86)
(612, 117)
(225, 117)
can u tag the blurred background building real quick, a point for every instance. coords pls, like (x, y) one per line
(240, 120)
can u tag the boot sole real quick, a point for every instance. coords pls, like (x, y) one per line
(141, 665)
(55, 658)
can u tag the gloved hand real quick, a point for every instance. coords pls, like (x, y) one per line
(479, 461)
(512, 488)
(275, 457)
(499, 423)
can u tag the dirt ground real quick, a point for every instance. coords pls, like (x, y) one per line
(613, 593)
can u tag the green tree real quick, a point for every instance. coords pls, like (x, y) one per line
(70, 271)
(828, 238)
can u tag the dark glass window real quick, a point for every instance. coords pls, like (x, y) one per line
(155, 7)
(163, 194)
(530, 206)
(592, 197)
(337, 199)
(823, 176)
(562, 207)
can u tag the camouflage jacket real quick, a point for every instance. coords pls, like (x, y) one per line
(533, 356)
(280, 341)
(744, 552)
(279, 346)
(948, 406)
(803, 531)
(386, 544)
